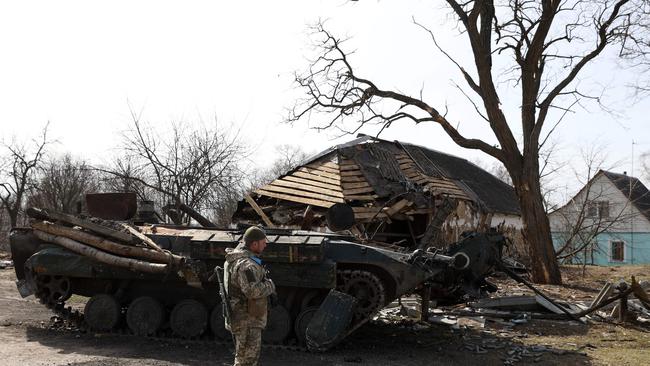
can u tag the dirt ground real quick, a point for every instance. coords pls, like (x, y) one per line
(28, 337)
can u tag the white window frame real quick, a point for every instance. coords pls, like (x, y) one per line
(609, 251)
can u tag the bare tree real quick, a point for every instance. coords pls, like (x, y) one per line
(62, 184)
(192, 166)
(125, 177)
(287, 158)
(545, 45)
(18, 170)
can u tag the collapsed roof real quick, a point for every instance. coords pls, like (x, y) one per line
(381, 181)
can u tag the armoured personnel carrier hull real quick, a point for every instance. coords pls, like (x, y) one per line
(152, 277)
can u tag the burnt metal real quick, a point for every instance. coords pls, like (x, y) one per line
(112, 206)
(329, 323)
(366, 288)
(147, 212)
(53, 289)
(305, 266)
(302, 321)
(520, 279)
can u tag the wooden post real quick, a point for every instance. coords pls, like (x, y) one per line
(622, 308)
(425, 295)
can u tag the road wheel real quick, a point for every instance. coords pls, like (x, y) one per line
(189, 318)
(51, 290)
(217, 323)
(366, 287)
(145, 316)
(102, 312)
(278, 325)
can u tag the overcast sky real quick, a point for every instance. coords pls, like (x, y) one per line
(80, 64)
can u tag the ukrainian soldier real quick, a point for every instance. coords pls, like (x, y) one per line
(248, 288)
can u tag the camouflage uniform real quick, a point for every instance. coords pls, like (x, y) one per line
(248, 289)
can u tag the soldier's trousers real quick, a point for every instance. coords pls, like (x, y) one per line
(249, 344)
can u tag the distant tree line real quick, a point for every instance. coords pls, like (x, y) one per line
(204, 166)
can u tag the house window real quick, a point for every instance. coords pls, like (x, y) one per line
(603, 209)
(617, 251)
(592, 209)
(598, 209)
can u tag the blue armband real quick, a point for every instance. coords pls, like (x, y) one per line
(256, 259)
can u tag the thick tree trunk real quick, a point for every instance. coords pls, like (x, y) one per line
(13, 218)
(537, 231)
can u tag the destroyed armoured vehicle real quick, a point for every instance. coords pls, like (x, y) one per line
(154, 278)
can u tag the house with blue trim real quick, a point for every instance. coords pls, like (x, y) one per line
(606, 223)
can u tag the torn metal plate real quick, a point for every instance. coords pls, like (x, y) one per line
(331, 321)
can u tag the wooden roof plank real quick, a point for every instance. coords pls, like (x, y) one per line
(348, 167)
(323, 168)
(285, 197)
(319, 173)
(317, 178)
(352, 179)
(351, 173)
(355, 185)
(351, 192)
(304, 187)
(312, 183)
(296, 192)
(361, 198)
(368, 215)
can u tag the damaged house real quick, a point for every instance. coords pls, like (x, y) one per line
(385, 191)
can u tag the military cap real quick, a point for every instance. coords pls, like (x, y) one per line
(253, 233)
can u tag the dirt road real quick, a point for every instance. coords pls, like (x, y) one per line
(27, 337)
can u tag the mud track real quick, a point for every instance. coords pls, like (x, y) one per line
(29, 335)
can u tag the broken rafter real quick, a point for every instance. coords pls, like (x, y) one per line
(398, 206)
(258, 210)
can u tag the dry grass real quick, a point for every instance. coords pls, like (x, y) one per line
(603, 343)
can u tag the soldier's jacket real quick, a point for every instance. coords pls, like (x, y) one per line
(248, 288)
